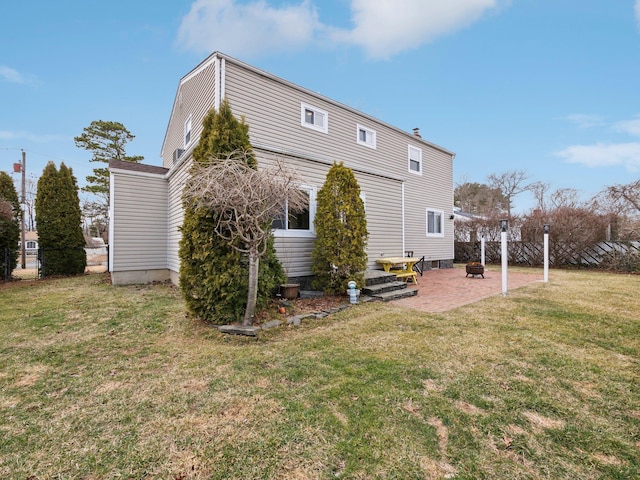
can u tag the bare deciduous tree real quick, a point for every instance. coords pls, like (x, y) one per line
(510, 184)
(626, 195)
(539, 191)
(245, 202)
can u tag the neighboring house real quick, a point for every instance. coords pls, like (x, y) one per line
(406, 182)
(31, 242)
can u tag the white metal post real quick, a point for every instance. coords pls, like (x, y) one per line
(546, 253)
(504, 253)
(482, 249)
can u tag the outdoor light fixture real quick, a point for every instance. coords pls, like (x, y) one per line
(545, 228)
(504, 224)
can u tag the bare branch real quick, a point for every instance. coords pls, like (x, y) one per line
(245, 200)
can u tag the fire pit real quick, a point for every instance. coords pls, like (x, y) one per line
(475, 268)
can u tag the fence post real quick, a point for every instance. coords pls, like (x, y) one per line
(41, 258)
(546, 253)
(504, 225)
(5, 265)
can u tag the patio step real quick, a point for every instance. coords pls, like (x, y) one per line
(377, 277)
(372, 290)
(395, 294)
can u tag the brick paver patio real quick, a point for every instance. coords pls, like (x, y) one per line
(447, 288)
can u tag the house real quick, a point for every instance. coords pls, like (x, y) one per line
(406, 181)
(31, 242)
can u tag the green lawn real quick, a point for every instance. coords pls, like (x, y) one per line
(102, 382)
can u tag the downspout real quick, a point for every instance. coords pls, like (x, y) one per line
(403, 225)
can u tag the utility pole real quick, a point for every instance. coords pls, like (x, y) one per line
(23, 167)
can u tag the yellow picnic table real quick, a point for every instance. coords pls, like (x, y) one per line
(401, 267)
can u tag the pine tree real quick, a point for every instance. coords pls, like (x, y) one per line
(214, 276)
(339, 254)
(59, 221)
(10, 214)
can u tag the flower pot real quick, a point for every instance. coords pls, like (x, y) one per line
(290, 290)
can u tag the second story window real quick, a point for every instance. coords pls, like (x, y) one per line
(315, 118)
(187, 132)
(366, 137)
(415, 160)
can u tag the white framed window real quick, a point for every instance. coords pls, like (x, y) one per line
(299, 224)
(415, 160)
(366, 136)
(435, 223)
(187, 131)
(315, 118)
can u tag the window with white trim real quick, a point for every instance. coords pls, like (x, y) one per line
(297, 224)
(415, 160)
(187, 131)
(435, 223)
(315, 118)
(366, 137)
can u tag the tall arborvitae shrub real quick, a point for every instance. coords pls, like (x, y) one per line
(214, 276)
(341, 232)
(59, 222)
(9, 225)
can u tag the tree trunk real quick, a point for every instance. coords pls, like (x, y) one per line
(252, 293)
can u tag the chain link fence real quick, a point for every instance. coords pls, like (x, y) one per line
(35, 259)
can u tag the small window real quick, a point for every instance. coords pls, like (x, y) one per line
(187, 132)
(296, 224)
(366, 136)
(435, 224)
(312, 117)
(415, 160)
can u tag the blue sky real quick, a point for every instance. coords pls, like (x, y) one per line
(547, 86)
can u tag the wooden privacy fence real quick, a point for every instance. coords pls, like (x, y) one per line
(624, 256)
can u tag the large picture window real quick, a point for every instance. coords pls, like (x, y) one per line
(296, 223)
(435, 223)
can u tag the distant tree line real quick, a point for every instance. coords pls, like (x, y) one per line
(575, 224)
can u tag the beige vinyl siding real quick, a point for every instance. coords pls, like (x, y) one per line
(432, 190)
(383, 201)
(272, 110)
(140, 222)
(177, 180)
(195, 97)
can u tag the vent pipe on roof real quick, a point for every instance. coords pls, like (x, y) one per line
(416, 132)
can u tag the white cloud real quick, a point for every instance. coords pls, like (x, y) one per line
(387, 27)
(248, 29)
(626, 155)
(638, 11)
(382, 28)
(10, 75)
(32, 137)
(632, 127)
(583, 120)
